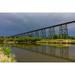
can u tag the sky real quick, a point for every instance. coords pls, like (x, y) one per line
(15, 23)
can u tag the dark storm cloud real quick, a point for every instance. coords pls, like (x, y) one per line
(13, 23)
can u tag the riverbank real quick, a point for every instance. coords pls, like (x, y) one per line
(36, 40)
(5, 56)
(57, 41)
(42, 41)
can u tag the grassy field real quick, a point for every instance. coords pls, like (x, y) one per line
(57, 41)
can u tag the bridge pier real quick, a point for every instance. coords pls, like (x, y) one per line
(28, 34)
(51, 32)
(43, 33)
(63, 31)
(37, 34)
(33, 34)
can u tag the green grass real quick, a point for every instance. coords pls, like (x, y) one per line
(57, 41)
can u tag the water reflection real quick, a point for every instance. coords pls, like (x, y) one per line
(58, 51)
(63, 52)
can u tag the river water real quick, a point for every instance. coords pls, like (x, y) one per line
(43, 53)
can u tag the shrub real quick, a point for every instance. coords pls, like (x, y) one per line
(7, 51)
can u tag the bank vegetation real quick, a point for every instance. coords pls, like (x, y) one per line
(6, 56)
(56, 39)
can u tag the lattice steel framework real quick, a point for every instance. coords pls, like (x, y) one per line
(43, 33)
(36, 34)
(51, 32)
(63, 31)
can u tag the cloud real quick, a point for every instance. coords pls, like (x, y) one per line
(13, 23)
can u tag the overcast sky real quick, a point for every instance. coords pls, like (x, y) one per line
(13, 23)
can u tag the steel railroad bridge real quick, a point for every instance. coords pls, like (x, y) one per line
(48, 31)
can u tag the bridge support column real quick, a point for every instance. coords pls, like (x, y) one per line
(29, 34)
(63, 31)
(26, 34)
(36, 33)
(32, 34)
(43, 33)
(51, 32)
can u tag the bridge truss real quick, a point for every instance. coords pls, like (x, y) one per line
(48, 31)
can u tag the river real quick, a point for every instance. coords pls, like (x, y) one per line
(42, 53)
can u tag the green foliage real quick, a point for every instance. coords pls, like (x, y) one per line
(55, 36)
(7, 51)
(29, 39)
(64, 36)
